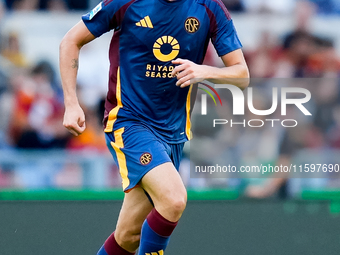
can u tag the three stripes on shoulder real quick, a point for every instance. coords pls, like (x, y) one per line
(161, 252)
(145, 22)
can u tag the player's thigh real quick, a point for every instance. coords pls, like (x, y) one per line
(137, 151)
(136, 206)
(165, 186)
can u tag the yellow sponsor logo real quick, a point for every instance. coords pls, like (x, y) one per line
(162, 41)
(158, 71)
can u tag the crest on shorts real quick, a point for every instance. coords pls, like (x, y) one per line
(191, 25)
(145, 159)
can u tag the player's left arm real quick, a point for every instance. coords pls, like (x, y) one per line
(235, 71)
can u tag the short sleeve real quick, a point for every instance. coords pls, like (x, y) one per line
(223, 33)
(107, 15)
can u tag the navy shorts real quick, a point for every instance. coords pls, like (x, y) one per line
(137, 150)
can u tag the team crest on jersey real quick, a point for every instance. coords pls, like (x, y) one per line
(145, 159)
(96, 10)
(191, 25)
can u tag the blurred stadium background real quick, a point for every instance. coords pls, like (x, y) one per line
(40, 160)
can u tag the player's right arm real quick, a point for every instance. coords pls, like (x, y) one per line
(100, 20)
(73, 41)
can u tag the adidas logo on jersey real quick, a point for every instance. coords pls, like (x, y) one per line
(145, 22)
(161, 252)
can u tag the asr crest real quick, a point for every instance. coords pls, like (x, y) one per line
(145, 159)
(191, 25)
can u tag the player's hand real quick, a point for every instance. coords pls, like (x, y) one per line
(74, 119)
(187, 72)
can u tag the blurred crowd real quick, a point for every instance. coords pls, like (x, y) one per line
(297, 54)
(46, 5)
(31, 102)
(280, 6)
(314, 140)
(300, 54)
(31, 108)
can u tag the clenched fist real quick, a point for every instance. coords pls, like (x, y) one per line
(74, 119)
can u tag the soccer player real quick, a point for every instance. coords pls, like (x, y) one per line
(156, 52)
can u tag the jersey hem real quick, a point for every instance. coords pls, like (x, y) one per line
(152, 130)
